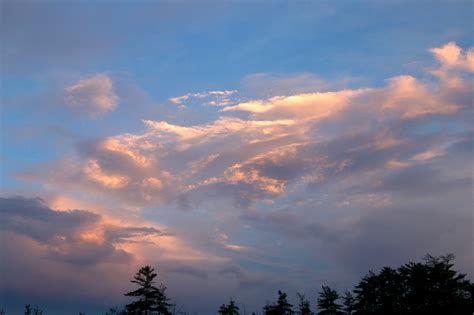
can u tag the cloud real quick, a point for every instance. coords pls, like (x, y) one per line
(76, 236)
(451, 56)
(210, 98)
(296, 187)
(93, 255)
(310, 105)
(94, 96)
(264, 84)
(276, 145)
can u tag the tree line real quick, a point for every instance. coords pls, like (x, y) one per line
(430, 287)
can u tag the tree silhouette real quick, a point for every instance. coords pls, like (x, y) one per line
(327, 302)
(151, 300)
(230, 309)
(30, 311)
(304, 307)
(282, 307)
(348, 303)
(432, 287)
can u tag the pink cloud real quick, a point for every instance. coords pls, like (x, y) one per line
(94, 96)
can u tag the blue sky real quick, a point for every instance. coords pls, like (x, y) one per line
(239, 147)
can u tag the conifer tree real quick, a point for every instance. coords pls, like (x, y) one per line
(230, 309)
(151, 300)
(327, 302)
(282, 307)
(304, 306)
(349, 303)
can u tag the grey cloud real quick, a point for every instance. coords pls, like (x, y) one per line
(187, 270)
(61, 231)
(33, 218)
(245, 279)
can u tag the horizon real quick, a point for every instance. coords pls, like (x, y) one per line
(238, 148)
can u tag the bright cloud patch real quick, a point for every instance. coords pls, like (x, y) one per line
(94, 95)
(451, 56)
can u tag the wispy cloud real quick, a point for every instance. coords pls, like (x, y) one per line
(210, 98)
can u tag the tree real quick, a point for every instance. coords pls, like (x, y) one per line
(31, 311)
(304, 307)
(282, 307)
(151, 300)
(380, 294)
(230, 309)
(348, 303)
(327, 302)
(432, 287)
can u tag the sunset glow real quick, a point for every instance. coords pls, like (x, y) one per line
(237, 147)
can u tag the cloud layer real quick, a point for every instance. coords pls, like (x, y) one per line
(281, 142)
(289, 189)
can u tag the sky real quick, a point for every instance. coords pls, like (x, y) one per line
(238, 147)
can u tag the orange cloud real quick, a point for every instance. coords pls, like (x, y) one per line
(94, 172)
(311, 106)
(413, 99)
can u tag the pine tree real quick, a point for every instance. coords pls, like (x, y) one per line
(430, 288)
(327, 302)
(28, 309)
(282, 307)
(151, 300)
(349, 303)
(230, 309)
(304, 306)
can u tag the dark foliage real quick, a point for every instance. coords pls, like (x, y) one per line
(151, 300)
(282, 307)
(327, 302)
(31, 311)
(229, 309)
(348, 303)
(432, 287)
(304, 308)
